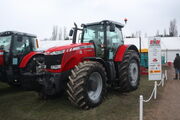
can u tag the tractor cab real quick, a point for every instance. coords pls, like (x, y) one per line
(105, 35)
(15, 45)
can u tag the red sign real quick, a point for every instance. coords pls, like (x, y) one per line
(154, 42)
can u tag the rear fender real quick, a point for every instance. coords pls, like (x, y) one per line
(122, 50)
(27, 58)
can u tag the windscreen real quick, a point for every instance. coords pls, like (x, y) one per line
(21, 45)
(5, 42)
(94, 33)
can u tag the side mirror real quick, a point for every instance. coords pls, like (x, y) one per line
(112, 28)
(71, 32)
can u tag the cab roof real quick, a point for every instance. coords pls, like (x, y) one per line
(6, 33)
(107, 22)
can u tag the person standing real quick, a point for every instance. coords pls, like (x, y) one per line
(177, 66)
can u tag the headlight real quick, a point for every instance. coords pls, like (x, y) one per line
(57, 52)
(55, 67)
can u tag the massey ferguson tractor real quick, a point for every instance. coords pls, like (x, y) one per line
(85, 69)
(19, 61)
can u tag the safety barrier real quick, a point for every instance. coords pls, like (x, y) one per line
(153, 94)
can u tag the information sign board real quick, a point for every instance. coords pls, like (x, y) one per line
(154, 58)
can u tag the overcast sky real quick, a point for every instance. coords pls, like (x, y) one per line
(39, 16)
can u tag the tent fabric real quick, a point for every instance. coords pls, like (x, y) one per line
(172, 43)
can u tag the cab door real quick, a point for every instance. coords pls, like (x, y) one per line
(95, 34)
(113, 39)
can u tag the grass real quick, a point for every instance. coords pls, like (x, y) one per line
(16, 104)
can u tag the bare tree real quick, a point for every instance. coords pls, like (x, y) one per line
(157, 33)
(55, 32)
(60, 33)
(173, 28)
(165, 34)
(145, 35)
(65, 33)
(133, 36)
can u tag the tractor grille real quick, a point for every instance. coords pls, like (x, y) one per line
(53, 60)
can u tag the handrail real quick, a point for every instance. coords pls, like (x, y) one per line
(154, 93)
(151, 95)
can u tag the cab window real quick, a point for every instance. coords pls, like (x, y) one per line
(5, 42)
(21, 45)
(95, 34)
(114, 40)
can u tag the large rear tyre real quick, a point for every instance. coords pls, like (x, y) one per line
(129, 71)
(87, 85)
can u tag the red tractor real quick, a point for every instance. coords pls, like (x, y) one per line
(19, 59)
(87, 68)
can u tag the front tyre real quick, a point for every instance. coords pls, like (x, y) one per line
(87, 85)
(129, 70)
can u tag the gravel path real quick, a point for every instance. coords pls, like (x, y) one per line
(167, 105)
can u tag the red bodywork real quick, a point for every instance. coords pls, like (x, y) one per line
(1, 57)
(73, 55)
(120, 53)
(27, 58)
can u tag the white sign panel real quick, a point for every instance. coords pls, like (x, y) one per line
(154, 58)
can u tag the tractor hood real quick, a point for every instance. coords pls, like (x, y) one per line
(63, 58)
(68, 47)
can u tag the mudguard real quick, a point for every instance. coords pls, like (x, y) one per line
(122, 50)
(27, 58)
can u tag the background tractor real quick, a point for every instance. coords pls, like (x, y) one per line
(87, 68)
(19, 60)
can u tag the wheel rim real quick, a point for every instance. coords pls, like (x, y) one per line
(134, 72)
(95, 86)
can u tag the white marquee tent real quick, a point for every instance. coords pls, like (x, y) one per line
(169, 45)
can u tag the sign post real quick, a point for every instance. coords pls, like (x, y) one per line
(154, 58)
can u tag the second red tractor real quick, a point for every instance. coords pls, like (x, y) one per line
(20, 61)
